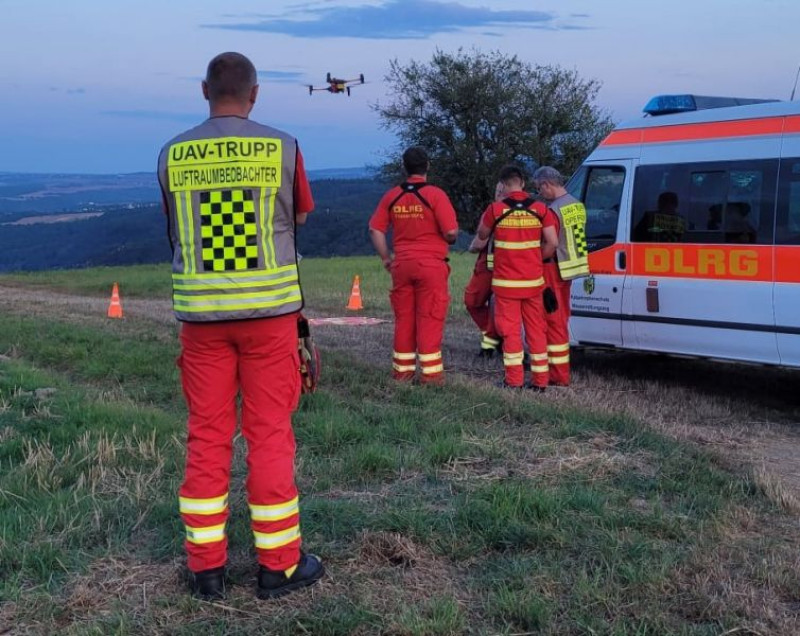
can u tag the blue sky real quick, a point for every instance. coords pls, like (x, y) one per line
(91, 86)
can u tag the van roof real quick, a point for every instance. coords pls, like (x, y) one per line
(731, 113)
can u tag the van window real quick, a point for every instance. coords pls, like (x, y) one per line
(720, 202)
(787, 231)
(600, 189)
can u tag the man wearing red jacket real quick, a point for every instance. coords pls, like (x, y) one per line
(524, 234)
(570, 261)
(478, 292)
(234, 191)
(424, 224)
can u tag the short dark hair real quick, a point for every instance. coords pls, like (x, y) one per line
(415, 160)
(230, 76)
(511, 172)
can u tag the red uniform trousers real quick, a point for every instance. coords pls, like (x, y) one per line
(476, 300)
(558, 326)
(219, 360)
(419, 298)
(510, 314)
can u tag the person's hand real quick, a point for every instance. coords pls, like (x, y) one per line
(387, 264)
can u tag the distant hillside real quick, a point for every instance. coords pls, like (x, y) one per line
(56, 233)
(49, 193)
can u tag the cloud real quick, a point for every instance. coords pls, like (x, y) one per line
(280, 76)
(393, 19)
(156, 114)
(76, 91)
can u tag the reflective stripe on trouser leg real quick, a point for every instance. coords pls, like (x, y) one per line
(533, 317)
(430, 365)
(270, 393)
(208, 364)
(405, 334)
(508, 320)
(558, 324)
(488, 342)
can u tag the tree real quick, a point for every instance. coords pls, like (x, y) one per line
(475, 112)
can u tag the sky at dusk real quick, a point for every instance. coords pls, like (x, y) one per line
(98, 86)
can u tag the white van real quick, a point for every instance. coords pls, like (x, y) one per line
(693, 229)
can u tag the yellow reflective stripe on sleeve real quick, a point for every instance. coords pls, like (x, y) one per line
(210, 506)
(274, 512)
(501, 282)
(272, 540)
(404, 356)
(517, 245)
(402, 368)
(539, 368)
(539, 356)
(430, 357)
(438, 368)
(559, 359)
(209, 534)
(558, 347)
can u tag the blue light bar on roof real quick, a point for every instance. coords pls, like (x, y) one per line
(668, 104)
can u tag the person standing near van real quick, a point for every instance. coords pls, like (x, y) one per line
(233, 191)
(478, 292)
(524, 233)
(570, 261)
(424, 225)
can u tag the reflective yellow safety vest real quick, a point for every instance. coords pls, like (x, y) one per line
(228, 186)
(572, 253)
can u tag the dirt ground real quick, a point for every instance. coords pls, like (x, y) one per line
(749, 414)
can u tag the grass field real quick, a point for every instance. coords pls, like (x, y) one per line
(455, 510)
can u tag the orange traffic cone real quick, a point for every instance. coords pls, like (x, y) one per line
(355, 295)
(115, 308)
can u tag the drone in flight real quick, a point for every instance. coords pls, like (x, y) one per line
(336, 85)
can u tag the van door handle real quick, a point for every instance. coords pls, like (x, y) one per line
(622, 261)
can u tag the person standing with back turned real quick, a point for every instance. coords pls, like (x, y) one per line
(570, 261)
(524, 234)
(424, 225)
(234, 190)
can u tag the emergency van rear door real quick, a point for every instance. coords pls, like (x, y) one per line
(597, 299)
(787, 252)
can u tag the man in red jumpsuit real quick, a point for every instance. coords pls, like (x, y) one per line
(424, 224)
(233, 191)
(524, 234)
(478, 292)
(569, 261)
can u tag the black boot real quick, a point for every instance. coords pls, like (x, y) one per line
(209, 585)
(275, 583)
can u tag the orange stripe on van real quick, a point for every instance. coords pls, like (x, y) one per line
(698, 132)
(711, 262)
(621, 137)
(787, 258)
(714, 262)
(792, 125)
